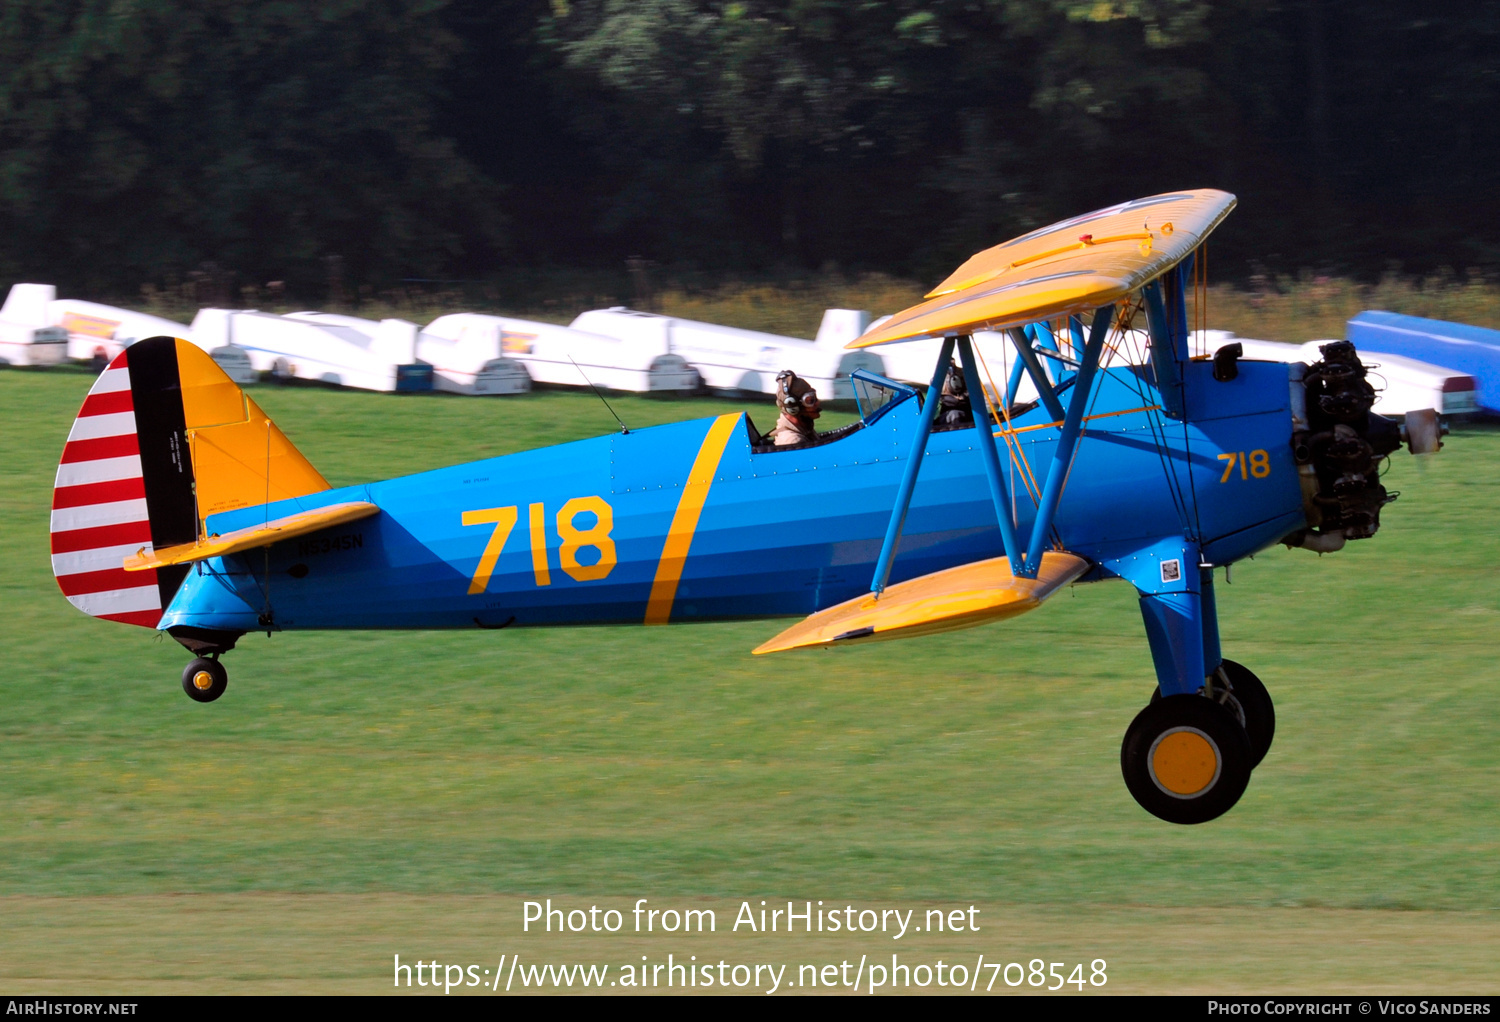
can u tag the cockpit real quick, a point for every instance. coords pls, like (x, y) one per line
(874, 396)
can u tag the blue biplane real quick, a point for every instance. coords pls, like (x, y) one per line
(180, 506)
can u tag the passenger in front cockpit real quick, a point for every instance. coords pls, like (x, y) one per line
(799, 406)
(957, 412)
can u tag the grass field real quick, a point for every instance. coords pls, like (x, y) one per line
(356, 795)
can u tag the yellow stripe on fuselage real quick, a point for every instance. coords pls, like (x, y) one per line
(685, 522)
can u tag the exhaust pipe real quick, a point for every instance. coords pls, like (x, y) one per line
(1321, 542)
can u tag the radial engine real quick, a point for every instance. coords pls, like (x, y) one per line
(1340, 445)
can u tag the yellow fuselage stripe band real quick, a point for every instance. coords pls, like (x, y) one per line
(674, 553)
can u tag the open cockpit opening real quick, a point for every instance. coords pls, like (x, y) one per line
(874, 396)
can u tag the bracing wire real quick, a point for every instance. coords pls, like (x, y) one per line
(1124, 315)
(1012, 443)
(1200, 314)
(1154, 422)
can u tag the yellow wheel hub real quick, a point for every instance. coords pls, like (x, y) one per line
(203, 681)
(1184, 762)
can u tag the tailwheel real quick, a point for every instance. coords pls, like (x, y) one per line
(204, 680)
(1186, 759)
(1236, 688)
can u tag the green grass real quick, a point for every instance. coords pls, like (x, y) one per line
(980, 766)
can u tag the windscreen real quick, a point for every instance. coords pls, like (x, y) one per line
(875, 394)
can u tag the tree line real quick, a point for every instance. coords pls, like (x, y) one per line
(363, 142)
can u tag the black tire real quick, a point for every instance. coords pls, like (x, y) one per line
(1251, 704)
(204, 680)
(1255, 702)
(1193, 778)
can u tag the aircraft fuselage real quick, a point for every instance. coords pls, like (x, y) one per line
(605, 531)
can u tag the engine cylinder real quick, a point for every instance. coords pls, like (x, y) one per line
(1339, 447)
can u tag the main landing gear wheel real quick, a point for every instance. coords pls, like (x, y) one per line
(1186, 759)
(1256, 708)
(1236, 688)
(204, 680)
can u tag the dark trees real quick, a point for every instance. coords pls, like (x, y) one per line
(142, 138)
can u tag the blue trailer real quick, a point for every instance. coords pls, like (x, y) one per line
(1470, 349)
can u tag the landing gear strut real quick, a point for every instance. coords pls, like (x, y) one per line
(204, 680)
(1236, 688)
(1234, 685)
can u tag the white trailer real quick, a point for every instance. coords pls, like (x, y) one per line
(624, 349)
(26, 338)
(466, 347)
(91, 327)
(92, 330)
(317, 346)
(23, 345)
(734, 361)
(464, 351)
(399, 336)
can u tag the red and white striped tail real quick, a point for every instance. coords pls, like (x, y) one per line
(99, 508)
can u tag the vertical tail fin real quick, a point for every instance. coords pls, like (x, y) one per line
(163, 440)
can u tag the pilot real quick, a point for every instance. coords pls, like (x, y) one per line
(799, 407)
(956, 409)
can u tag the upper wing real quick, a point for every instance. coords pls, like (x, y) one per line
(1071, 266)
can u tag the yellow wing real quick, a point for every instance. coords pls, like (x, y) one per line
(960, 597)
(1072, 266)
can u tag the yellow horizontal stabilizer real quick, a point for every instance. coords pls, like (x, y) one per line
(960, 597)
(298, 524)
(1072, 266)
